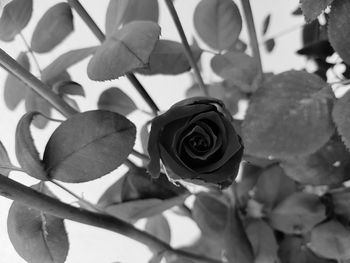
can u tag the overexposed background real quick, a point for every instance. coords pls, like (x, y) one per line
(89, 244)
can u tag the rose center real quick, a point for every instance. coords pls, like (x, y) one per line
(198, 143)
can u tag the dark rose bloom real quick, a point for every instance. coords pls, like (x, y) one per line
(196, 142)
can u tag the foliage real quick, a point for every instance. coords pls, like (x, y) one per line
(290, 200)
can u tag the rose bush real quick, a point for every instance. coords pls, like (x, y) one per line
(196, 142)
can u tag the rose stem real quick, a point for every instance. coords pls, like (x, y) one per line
(101, 37)
(252, 33)
(188, 50)
(31, 198)
(18, 192)
(13, 67)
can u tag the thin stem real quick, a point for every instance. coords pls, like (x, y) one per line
(13, 67)
(30, 51)
(188, 50)
(130, 164)
(252, 33)
(142, 156)
(46, 204)
(136, 83)
(282, 33)
(101, 37)
(80, 200)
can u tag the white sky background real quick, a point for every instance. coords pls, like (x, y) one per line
(88, 244)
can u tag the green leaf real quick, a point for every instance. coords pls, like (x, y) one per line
(52, 80)
(53, 27)
(204, 245)
(298, 214)
(210, 213)
(263, 241)
(65, 61)
(313, 8)
(137, 209)
(138, 184)
(238, 68)
(157, 258)
(88, 145)
(242, 188)
(341, 119)
(236, 242)
(339, 29)
(14, 89)
(15, 16)
(136, 195)
(288, 116)
(124, 11)
(35, 103)
(144, 137)
(221, 222)
(158, 226)
(68, 88)
(266, 24)
(169, 58)
(116, 100)
(328, 166)
(4, 161)
(124, 50)
(293, 249)
(218, 23)
(270, 44)
(331, 240)
(340, 202)
(37, 237)
(273, 186)
(26, 152)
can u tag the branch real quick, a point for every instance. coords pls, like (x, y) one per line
(252, 33)
(41, 202)
(13, 67)
(188, 50)
(101, 37)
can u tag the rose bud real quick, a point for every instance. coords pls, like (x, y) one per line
(196, 142)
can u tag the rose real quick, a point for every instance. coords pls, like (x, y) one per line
(196, 142)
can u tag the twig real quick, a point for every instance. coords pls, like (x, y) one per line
(41, 202)
(252, 33)
(187, 48)
(136, 83)
(142, 156)
(282, 33)
(12, 66)
(101, 37)
(130, 164)
(80, 199)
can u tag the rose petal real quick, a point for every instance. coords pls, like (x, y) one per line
(198, 100)
(226, 174)
(159, 123)
(204, 129)
(214, 118)
(178, 168)
(232, 145)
